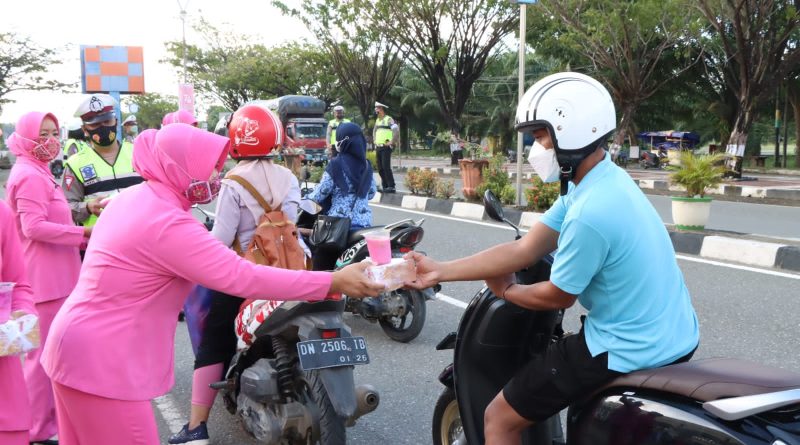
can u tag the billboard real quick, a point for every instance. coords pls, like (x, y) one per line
(106, 69)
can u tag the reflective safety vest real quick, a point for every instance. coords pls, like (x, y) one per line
(80, 145)
(333, 125)
(99, 178)
(383, 131)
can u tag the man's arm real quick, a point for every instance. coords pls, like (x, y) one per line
(496, 261)
(73, 190)
(395, 133)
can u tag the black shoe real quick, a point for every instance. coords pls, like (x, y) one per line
(389, 190)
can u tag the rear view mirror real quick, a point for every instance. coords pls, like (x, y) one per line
(493, 206)
(305, 173)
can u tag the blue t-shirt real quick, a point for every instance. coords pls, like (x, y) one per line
(616, 255)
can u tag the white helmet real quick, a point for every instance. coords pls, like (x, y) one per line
(576, 109)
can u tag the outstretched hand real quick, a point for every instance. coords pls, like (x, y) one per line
(353, 282)
(429, 271)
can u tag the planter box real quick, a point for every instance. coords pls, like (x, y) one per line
(471, 175)
(690, 213)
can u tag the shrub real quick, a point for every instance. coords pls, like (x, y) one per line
(428, 180)
(316, 173)
(697, 173)
(445, 189)
(541, 196)
(495, 178)
(412, 180)
(372, 157)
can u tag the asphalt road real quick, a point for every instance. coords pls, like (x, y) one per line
(743, 217)
(743, 313)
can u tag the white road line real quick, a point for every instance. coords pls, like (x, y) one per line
(736, 266)
(451, 300)
(681, 257)
(170, 413)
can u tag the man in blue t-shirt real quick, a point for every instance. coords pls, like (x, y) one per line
(604, 229)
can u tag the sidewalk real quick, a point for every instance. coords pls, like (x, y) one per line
(747, 249)
(756, 184)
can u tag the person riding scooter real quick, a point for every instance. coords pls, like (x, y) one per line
(633, 322)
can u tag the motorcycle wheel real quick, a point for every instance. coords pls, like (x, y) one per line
(447, 427)
(331, 426)
(400, 328)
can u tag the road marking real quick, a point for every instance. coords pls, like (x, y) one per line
(170, 413)
(681, 257)
(451, 300)
(736, 266)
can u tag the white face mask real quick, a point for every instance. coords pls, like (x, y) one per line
(544, 162)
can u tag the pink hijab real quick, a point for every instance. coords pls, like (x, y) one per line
(178, 154)
(24, 138)
(180, 116)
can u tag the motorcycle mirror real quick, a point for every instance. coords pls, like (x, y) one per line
(304, 173)
(493, 206)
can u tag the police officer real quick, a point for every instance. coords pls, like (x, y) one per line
(104, 168)
(338, 119)
(384, 137)
(130, 128)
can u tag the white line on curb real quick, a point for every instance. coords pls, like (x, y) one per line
(736, 266)
(170, 413)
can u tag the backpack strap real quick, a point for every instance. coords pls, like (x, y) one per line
(252, 190)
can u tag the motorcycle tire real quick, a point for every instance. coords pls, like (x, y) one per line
(446, 419)
(397, 328)
(331, 426)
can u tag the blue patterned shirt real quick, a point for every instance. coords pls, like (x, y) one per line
(345, 204)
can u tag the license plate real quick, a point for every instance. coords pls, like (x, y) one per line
(328, 353)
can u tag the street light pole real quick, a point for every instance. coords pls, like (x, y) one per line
(521, 85)
(183, 32)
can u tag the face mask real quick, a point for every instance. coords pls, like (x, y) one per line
(103, 136)
(340, 144)
(46, 149)
(134, 129)
(544, 162)
(203, 192)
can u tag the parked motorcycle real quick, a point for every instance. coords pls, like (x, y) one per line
(711, 401)
(648, 159)
(400, 313)
(294, 385)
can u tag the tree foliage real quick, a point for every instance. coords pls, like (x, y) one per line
(24, 66)
(448, 42)
(234, 70)
(152, 108)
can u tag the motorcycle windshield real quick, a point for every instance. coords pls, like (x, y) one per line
(495, 339)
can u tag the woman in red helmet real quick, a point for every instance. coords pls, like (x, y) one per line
(255, 134)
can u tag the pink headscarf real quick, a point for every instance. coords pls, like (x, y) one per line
(180, 116)
(24, 138)
(178, 154)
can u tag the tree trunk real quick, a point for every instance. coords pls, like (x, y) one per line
(405, 146)
(735, 150)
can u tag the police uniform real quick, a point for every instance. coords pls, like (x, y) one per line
(90, 174)
(333, 124)
(383, 136)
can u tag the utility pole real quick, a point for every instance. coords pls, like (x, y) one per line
(183, 31)
(521, 84)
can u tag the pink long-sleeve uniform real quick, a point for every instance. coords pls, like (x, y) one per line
(50, 240)
(114, 336)
(15, 412)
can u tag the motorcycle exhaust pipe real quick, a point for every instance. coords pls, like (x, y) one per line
(367, 399)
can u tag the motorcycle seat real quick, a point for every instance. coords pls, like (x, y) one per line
(710, 379)
(358, 235)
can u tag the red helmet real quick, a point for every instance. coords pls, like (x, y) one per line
(255, 131)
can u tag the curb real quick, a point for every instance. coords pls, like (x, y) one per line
(736, 247)
(791, 194)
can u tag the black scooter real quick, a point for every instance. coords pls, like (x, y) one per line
(711, 401)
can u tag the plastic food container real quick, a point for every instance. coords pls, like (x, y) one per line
(393, 274)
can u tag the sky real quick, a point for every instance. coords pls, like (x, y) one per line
(146, 23)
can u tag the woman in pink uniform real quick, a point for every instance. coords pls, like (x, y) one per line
(50, 242)
(15, 412)
(111, 347)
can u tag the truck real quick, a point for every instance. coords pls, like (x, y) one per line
(304, 125)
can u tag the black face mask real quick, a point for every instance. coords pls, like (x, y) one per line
(103, 136)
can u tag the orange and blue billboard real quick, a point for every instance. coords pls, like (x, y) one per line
(106, 69)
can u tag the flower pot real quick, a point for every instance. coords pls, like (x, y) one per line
(690, 213)
(471, 175)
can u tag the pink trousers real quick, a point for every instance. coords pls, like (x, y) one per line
(87, 419)
(40, 392)
(14, 437)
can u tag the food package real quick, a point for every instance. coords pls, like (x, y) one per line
(394, 274)
(19, 335)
